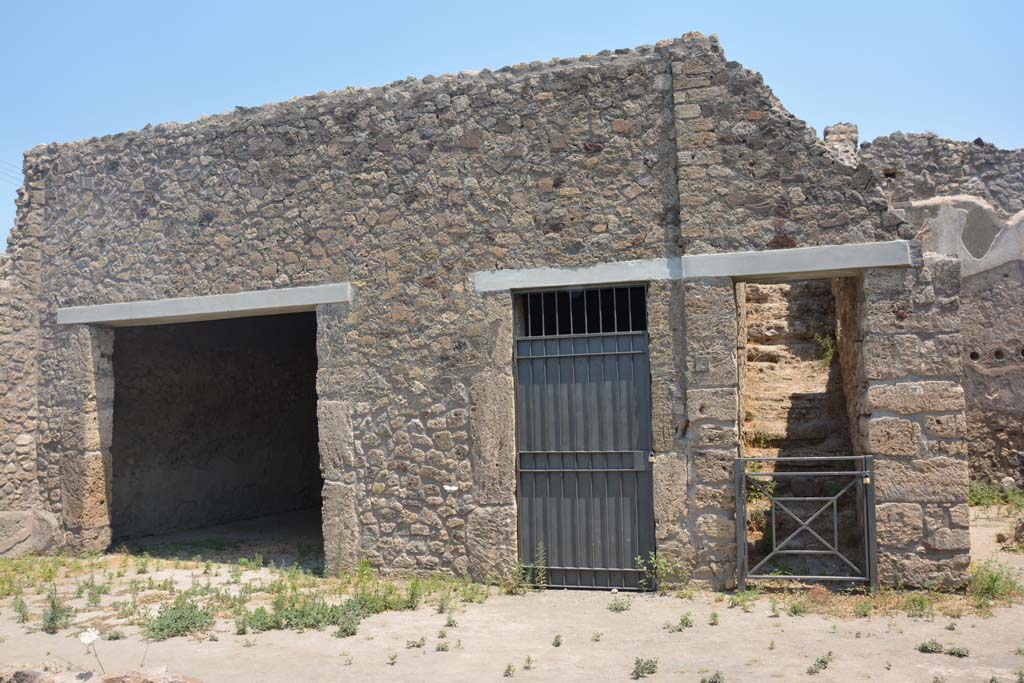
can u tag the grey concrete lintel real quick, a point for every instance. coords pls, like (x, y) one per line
(775, 264)
(802, 262)
(213, 307)
(597, 274)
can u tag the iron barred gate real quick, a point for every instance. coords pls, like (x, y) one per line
(806, 518)
(583, 425)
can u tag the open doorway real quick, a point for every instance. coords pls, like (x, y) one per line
(803, 483)
(215, 446)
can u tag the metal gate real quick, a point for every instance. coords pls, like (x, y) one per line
(813, 519)
(583, 426)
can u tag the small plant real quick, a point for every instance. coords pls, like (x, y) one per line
(619, 604)
(774, 614)
(392, 658)
(57, 615)
(540, 570)
(409, 644)
(930, 647)
(557, 641)
(864, 608)
(451, 623)
(442, 634)
(797, 608)
(951, 626)
(21, 609)
(442, 646)
(180, 618)
(685, 621)
(826, 348)
(715, 677)
(956, 651)
(528, 663)
(991, 583)
(919, 606)
(713, 619)
(114, 635)
(596, 637)
(659, 573)
(743, 599)
(642, 668)
(771, 646)
(820, 664)
(510, 671)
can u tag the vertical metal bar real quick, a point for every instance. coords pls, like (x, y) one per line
(741, 524)
(872, 541)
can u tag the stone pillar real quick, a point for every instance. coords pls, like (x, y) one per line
(85, 470)
(668, 397)
(334, 412)
(712, 439)
(914, 421)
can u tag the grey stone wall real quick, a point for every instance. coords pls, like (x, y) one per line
(914, 421)
(926, 174)
(921, 165)
(405, 191)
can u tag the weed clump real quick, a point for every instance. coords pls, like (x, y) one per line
(180, 618)
(642, 668)
(57, 615)
(820, 664)
(991, 583)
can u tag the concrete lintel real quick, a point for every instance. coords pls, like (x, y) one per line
(802, 262)
(597, 274)
(776, 264)
(213, 307)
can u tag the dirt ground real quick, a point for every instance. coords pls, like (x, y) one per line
(752, 643)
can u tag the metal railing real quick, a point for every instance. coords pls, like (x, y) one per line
(851, 485)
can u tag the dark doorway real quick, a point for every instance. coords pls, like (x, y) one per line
(215, 422)
(583, 425)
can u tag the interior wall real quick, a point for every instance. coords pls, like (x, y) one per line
(213, 422)
(791, 381)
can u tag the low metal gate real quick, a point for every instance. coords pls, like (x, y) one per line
(583, 425)
(822, 508)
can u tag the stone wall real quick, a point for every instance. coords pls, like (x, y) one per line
(914, 420)
(791, 400)
(959, 195)
(213, 422)
(406, 191)
(917, 166)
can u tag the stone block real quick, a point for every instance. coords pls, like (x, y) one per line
(24, 532)
(342, 532)
(712, 404)
(893, 436)
(912, 570)
(945, 426)
(84, 483)
(949, 539)
(491, 542)
(714, 466)
(903, 355)
(492, 423)
(928, 480)
(670, 494)
(908, 398)
(899, 523)
(337, 441)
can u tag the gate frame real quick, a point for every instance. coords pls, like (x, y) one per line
(863, 482)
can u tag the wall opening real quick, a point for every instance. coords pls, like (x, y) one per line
(795, 418)
(215, 436)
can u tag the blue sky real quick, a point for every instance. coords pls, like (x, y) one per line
(71, 70)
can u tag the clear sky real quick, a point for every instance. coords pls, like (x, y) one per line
(71, 70)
